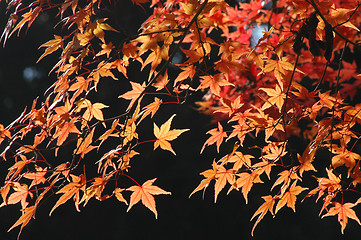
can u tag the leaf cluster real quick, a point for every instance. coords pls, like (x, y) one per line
(291, 83)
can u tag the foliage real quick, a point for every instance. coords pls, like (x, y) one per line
(293, 90)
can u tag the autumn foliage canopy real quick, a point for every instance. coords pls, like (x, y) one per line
(294, 90)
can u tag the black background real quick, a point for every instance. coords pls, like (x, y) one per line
(179, 217)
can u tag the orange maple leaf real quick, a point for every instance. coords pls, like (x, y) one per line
(134, 94)
(107, 49)
(240, 159)
(230, 106)
(151, 108)
(37, 176)
(346, 158)
(145, 193)
(98, 28)
(92, 110)
(109, 132)
(344, 212)
(102, 70)
(65, 130)
(217, 136)
(263, 209)
(4, 133)
(337, 16)
(188, 72)
(164, 135)
(20, 195)
(290, 197)
(214, 83)
(83, 145)
(28, 17)
(29, 213)
(16, 169)
(119, 196)
(80, 86)
(95, 190)
(121, 66)
(52, 45)
(70, 190)
(331, 184)
(278, 67)
(285, 177)
(276, 98)
(222, 177)
(246, 181)
(209, 175)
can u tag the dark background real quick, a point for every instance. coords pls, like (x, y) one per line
(180, 217)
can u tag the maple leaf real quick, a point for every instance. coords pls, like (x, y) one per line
(83, 145)
(331, 184)
(80, 86)
(277, 98)
(338, 16)
(194, 56)
(290, 197)
(161, 82)
(107, 49)
(239, 159)
(28, 213)
(278, 67)
(102, 70)
(9, 27)
(70, 190)
(164, 135)
(28, 17)
(356, 175)
(344, 212)
(264, 166)
(245, 181)
(98, 28)
(52, 45)
(63, 133)
(96, 190)
(346, 158)
(222, 177)
(145, 193)
(187, 72)
(230, 106)
(109, 132)
(119, 196)
(214, 83)
(121, 66)
(209, 175)
(263, 209)
(217, 136)
(134, 94)
(151, 108)
(285, 177)
(92, 110)
(306, 161)
(20, 195)
(16, 169)
(4, 133)
(37, 176)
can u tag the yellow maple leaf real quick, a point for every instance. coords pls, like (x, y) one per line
(164, 135)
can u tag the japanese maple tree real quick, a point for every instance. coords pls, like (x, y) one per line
(294, 90)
